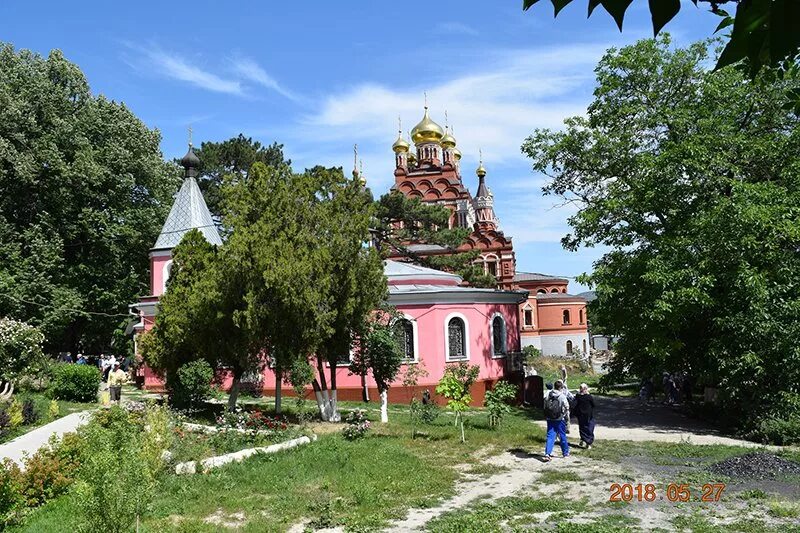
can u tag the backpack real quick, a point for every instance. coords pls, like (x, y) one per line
(553, 408)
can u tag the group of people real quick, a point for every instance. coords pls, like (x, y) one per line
(115, 371)
(558, 406)
(677, 387)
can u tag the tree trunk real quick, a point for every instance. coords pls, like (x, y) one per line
(234, 392)
(326, 399)
(278, 393)
(365, 389)
(384, 406)
(462, 431)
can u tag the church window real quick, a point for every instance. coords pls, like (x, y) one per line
(491, 268)
(541, 291)
(404, 331)
(528, 317)
(498, 335)
(457, 339)
(554, 291)
(569, 347)
(566, 316)
(580, 316)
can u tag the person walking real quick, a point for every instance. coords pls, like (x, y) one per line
(584, 409)
(555, 408)
(116, 378)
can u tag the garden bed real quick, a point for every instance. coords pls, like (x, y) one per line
(33, 410)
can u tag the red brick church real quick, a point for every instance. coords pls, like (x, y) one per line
(550, 319)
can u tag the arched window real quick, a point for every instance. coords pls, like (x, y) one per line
(554, 291)
(580, 316)
(165, 274)
(564, 291)
(566, 316)
(541, 291)
(404, 331)
(569, 347)
(456, 339)
(491, 268)
(498, 336)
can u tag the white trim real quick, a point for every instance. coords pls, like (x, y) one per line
(447, 357)
(525, 308)
(505, 336)
(414, 339)
(160, 252)
(165, 275)
(456, 295)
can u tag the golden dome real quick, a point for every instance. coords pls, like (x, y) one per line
(457, 154)
(427, 131)
(412, 156)
(448, 141)
(480, 171)
(400, 145)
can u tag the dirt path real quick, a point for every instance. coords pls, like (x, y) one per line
(628, 419)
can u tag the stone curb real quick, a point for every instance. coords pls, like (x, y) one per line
(192, 467)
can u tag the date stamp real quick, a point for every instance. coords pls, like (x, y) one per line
(627, 492)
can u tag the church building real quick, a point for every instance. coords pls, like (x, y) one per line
(550, 319)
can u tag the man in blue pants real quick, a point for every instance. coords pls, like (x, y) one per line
(556, 406)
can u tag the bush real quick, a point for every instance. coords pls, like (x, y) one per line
(780, 431)
(357, 425)
(193, 385)
(15, 414)
(51, 470)
(10, 498)
(497, 401)
(5, 420)
(20, 349)
(427, 413)
(76, 383)
(29, 414)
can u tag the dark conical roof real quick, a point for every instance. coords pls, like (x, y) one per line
(482, 189)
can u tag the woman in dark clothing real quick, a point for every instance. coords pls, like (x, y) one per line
(584, 410)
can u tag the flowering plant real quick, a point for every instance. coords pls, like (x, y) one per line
(357, 425)
(20, 349)
(254, 420)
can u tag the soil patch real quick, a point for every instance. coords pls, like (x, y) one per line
(757, 465)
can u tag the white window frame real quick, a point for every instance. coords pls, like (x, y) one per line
(504, 353)
(525, 308)
(166, 272)
(447, 357)
(415, 338)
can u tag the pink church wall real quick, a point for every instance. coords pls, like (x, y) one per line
(430, 333)
(157, 264)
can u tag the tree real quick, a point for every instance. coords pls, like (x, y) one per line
(379, 351)
(455, 385)
(401, 221)
(84, 190)
(765, 32)
(233, 157)
(20, 350)
(691, 179)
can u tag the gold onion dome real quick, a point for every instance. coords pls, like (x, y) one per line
(480, 171)
(448, 141)
(400, 145)
(427, 131)
(457, 154)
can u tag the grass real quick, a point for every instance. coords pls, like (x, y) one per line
(784, 509)
(664, 453)
(610, 523)
(550, 370)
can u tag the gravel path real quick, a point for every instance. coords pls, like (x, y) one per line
(28, 443)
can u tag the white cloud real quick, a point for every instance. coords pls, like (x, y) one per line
(252, 71)
(176, 67)
(455, 28)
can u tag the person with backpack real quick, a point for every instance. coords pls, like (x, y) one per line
(585, 410)
(556, 406)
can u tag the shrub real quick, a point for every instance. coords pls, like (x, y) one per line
(252, 385)
(455, 386)
(29, 414)
(497, 401)
(5, 420)
(780, 431)
(357, 425)
(10, 498)
(20, 349)
(76, 383)
(50, 471)
(193, 385)
(53, 410)
(15, 414)
(426, 413)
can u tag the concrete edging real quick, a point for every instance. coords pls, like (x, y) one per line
(192, 467)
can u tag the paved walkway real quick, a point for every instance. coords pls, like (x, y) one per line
(28, 443)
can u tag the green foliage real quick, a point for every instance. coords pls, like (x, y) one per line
(193, 386)
(10, 498)
(20, 350)
(379, 351)
(401, 221)
(455, 385)
(497, 401)
(15, 418)
(75, 383)
(766, 33)
(233, 157)
(51, 470)
(357, 425)
(778, 429)
(695, 192)
(85, 191)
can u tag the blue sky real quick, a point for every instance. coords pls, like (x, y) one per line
(322, 76)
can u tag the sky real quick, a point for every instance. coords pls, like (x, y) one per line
(319, 77)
